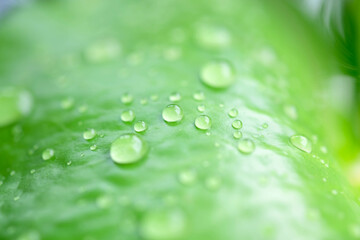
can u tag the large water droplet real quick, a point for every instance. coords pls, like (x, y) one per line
(128, 148)
(217, 74)
(175, 97)
(172, 113)
(14, 104)
(127, 116)
(233, 113)
(203, 122)
(301, 143)
(163, 224)
(246, 146)
(89, 134)
(48, 154)
(140, 126)
(237, 124)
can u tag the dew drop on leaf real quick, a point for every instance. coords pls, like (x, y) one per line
(217, 74)
(140, 126)
(172, 113)
(187, 177)
(203, 122)
(233, 113)
(127, 98)
(127, 116)
(199, 96)
(175, 97)
(89, 134)
(237, 134)
(237, 124)
(47, 154)
(246, 146)
(201, 108)
(128, 148)
(93, 147)
(301, 142)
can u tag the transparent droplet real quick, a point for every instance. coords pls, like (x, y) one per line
(140, 126)
(323, 149)
(68, 163)
(14, 104)
(104, 201)
(301, 142)
(127, 98)
(237, 124)
(127, 116)
(265, 125)
(213, 183)
(67, 103)
(246, 146)
(201, 108)
(334, 192)
(128, 148)
(32, 171)
(89, 134)
(217, 74)
(16, 198)
(237, 134)
(175, 97)
(163, 224)
(199, 96)
(12, 173)
(172, 113)
(187, 177)
(203, 122)
(48, 154)
(104, 50)
(233, 113)
(93, 147)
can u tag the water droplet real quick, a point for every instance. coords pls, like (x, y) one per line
(16, 198)
(1, 183)
(163, 224)
(237, 124)
(127, 116)
(211, 36)
(233, 113)
(128, 148)
(323, 149)
(127, 98)
(175, 97)
(237, 134)
(143, 101)
(201, 108)
(68, 163)
(82, 154)
(104, 50)
(32, 171)
(213, 183)
(301, 142)
(154, 97)
(217, 74)
(14, 104)
(199, 96)
(324, 180)
(83, 109)
(12, 173)
(93, 147)
(265, 125)
(140, 126)
(89, 134)
(104, 201)
(203, 122)
(172, 113)
(334, 192)
(187, 177)
(246, 146)
(172, 53)
(67, 103)
(48, 154)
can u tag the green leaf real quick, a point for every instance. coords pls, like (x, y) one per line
(85, 62)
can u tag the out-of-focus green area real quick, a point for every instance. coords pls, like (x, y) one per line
(67, 67)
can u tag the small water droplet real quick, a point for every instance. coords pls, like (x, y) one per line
(127, 98)
(291, 111)
(16, 198)
(143, 101)
(233, 113)
(140, 126)
(237, 134)
(217, 74)
(163, 224)
(213, 183)
(12, 173)
(201, 108)
(104, 201)
(265, 125)
(104, 50)
(175, 97)
(221, 105)
(32, 171)
(172, 113)
(301, 142)
(203, 122)
(187, 177)
(154, 97)
(246, 146)
(1, 183)
(237, 124)
(199, 96)
(211, 36)
(48, 154)
(323, 149)
(14, 104)
(324, 180)
(334, 192)
(67, 103)
(89, 134)
(93, 147)
(127, 116)
(172, 53)
(128, 148)
(83, 108)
